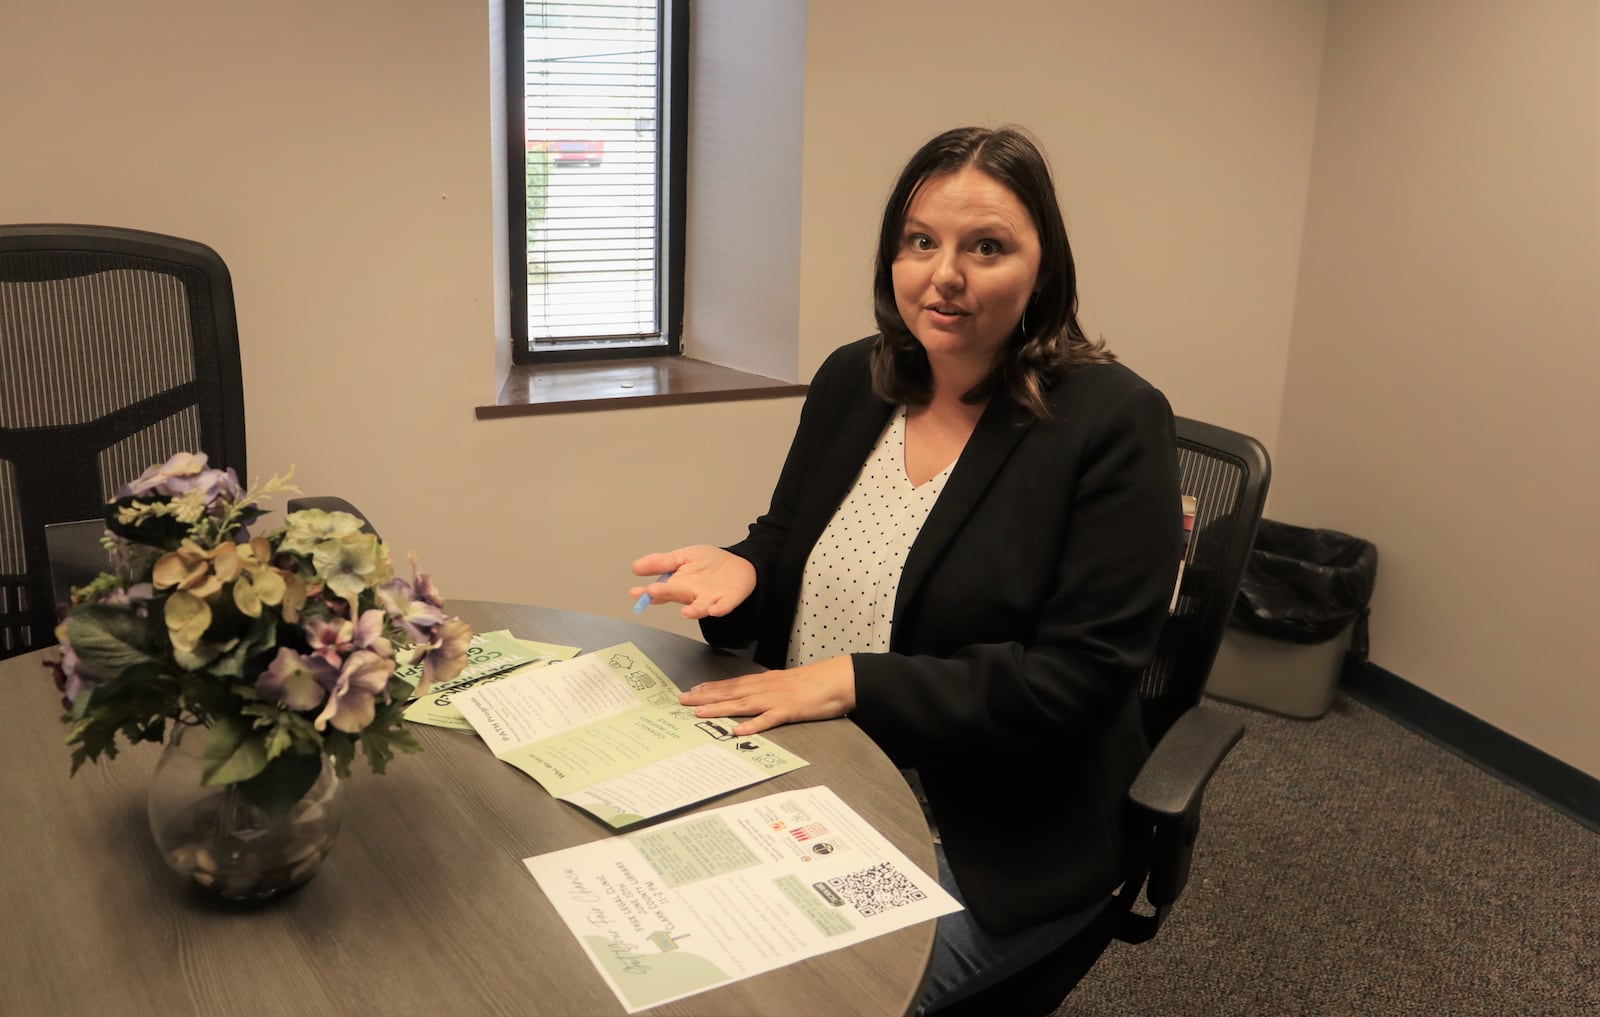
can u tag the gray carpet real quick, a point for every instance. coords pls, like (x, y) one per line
(1347, 866)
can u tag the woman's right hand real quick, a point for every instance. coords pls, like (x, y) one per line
(706, 580)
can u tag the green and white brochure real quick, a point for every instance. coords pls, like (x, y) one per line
(605, 732)
(731, 892)
(490, 657)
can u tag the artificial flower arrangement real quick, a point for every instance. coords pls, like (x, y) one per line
(285, 648)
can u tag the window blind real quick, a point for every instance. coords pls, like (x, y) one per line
(592, 72)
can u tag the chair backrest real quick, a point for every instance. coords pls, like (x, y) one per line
(118, 348)
(1227, 473)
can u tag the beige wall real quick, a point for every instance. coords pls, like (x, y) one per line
(1180, 137)
(745, 102)
(338, 156)
(1442, 374)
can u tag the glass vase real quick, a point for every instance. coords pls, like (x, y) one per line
(221, 841)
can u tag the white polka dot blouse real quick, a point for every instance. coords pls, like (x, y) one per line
(847, 590)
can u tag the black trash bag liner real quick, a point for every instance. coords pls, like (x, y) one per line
(1305, 586)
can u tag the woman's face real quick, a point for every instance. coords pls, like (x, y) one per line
(967, 265)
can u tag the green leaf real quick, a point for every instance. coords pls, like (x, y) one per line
(204, 696)
(108, 639)
(258, 636)
(386, 735)
(283, 782)
(92, 739)
(233, 752)
(342, 748)
(135, 706)
(278, 742)
(80, 706)
(197, 659)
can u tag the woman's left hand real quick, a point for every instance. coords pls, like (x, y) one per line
(816, 691)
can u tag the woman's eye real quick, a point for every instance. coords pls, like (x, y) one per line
(988, 247)
(919, 242)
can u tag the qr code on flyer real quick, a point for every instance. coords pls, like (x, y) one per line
(873, 890)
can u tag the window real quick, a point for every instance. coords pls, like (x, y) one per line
(596, 122)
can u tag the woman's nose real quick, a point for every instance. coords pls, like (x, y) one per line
(947, 272)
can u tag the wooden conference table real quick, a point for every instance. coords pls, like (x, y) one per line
(423, 907)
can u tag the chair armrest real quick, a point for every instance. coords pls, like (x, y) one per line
(1173, 779)
(1167, 792)
(331, 503)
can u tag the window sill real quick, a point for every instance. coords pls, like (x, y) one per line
(532, 389)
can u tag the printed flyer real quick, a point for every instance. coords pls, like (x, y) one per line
(605, 732)
(730, 892)
(490, 656)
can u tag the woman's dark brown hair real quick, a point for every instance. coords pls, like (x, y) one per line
(1053, 342)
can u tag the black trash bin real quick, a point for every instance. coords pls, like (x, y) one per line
(1299, 620)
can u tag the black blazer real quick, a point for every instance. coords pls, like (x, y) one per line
(1029, 605)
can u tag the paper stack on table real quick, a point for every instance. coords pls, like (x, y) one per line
(605, 732)
(731, 892)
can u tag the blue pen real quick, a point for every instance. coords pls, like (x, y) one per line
(644, 598)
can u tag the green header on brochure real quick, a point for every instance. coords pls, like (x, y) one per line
(490, 657)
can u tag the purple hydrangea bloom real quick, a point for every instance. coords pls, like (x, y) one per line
(330, 641)
(352, 701)
(214, 485)
(71, 679)
(368, 633)
(297, 681)
(424, 588)
(418, 619)
(156, 478)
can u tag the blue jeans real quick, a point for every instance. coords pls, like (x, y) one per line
(966, 959)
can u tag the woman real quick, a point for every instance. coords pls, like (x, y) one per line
(970, 551)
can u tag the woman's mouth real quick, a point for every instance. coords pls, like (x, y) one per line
(946, 313)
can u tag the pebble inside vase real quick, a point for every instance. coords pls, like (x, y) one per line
(226, 844)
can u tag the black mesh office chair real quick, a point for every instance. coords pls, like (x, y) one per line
(117, 349)
(1228, 474)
